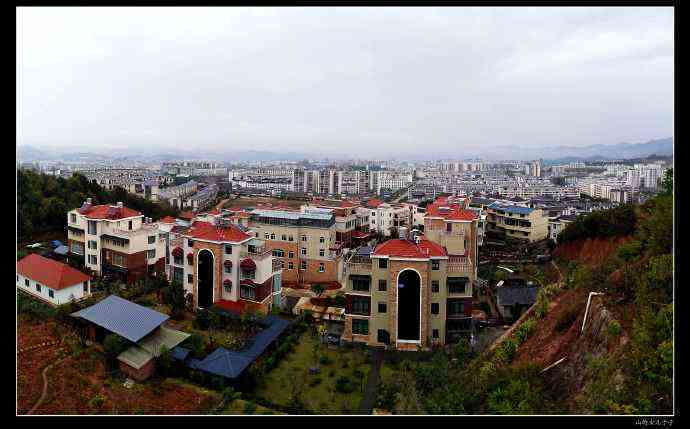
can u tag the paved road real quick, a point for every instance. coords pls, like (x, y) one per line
(366, 406)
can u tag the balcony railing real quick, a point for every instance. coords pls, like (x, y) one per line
(359, 266)
(257, 255)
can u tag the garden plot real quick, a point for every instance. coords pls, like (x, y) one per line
(336, 387)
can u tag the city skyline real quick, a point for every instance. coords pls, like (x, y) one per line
(339, 80)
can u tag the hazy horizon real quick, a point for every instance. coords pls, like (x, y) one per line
(376, 81)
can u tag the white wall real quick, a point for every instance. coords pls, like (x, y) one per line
(61, 296)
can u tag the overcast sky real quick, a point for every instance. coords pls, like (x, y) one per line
(379, 80)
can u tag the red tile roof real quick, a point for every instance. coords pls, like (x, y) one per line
(206, 231)
(237, 306)
(409, 249)
(53, 274)
(167, 219)
(359, 234)
(186, 215)
(452, 211)
(374, 202)
(102, 212)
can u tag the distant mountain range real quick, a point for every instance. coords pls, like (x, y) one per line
(549, 154)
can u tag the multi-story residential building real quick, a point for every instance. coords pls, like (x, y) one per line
(175, 195)
(351, 224)
(304, 243)
(451, 223)
(407, 294)
(558, 224)
(384, 216)
(115, 240)
(220, 264)
(201, 198)
(517, 222)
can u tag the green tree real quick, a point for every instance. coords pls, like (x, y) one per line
(667, 183)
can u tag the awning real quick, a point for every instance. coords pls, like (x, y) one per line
(248, 264)
(359, 234)
(190, 255)
(228, 263)
(227, 282)
(178, 252)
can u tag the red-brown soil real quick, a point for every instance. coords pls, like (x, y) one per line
(590, 251)
(79, 385)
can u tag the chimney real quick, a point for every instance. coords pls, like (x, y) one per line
(119, 204)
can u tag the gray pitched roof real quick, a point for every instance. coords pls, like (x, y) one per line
(126, 319)
(520, 295)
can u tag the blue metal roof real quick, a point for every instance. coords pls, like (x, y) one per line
(364, 251)
(61, 250)
(231, 364)
(125, 318)
(511, 208)
(56, 243)
(179, 353)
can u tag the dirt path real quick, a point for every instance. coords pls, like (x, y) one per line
(220, 204)
(560, 275)
(44, 375)
(367, 404)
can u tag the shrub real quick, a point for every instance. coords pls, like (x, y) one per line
(525, 330)
(249, 407)
(344, 385)
(202, 320)
(325, 360)
(97, 401)
(195, 343)
(113, 345)
(614, 328)
(315, 381)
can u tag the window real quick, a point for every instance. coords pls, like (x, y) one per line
(190, 278)
(73, 218)
(455, 307)
(247, 292)
(38, 287)
(26, 282)
(383, 285)
(284, 237)
(457, 284)
(303, 265)
(383, 263)
(360, 283)
(228, 249)
(92, 227)
(435, 265)
(373, 213)
(434, 308)
(291, 238)
(150, 254)
(86, 287)
(176, 259)
(322, 252)
(304, 238)
(190, 243)
(130, 225)
(273, 236)
(360, 305)
(93, 260)
(449, 227)
(228, 269)
(303, 251)
(77, 248)
(92, 244)
(322, 268)
(152, 239)
(267, 235)
(278, 253)
(118, 260)
(291, 266)
(178, 274)
(291, 254)
(383, 336)
(434, 286)
(434, 333)
(382, 307)
(360, 326)
(322, 240)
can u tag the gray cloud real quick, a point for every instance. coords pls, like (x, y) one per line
(344, 80)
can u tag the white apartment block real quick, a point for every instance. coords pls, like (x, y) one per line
(115, 240)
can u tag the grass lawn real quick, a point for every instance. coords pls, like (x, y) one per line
(243, 407)
(292, 376)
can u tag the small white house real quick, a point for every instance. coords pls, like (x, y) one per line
(51, 281)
